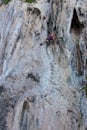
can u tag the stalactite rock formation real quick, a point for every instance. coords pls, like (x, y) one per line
(41, 86)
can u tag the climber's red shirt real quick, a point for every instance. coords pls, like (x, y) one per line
(51, 37)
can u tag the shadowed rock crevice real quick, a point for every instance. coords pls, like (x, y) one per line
(35, 78)
(1, 89)
(76, 32)
(76, 26)
(24, 118)
(36, 11)
(79, 61)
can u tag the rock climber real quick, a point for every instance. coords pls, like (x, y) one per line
(50, 37)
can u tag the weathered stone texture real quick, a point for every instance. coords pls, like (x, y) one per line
(40, 85)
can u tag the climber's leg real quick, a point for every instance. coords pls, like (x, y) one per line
(44, 42)
(48, 42)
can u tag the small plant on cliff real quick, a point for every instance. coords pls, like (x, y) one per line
(30, 1)
(85, 89)
(86, 76)
(6, 1)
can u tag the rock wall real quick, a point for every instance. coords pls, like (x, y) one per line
(40, 86)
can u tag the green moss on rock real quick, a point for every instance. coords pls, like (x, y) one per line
(30, 1)
(85, 89)
(6, 1)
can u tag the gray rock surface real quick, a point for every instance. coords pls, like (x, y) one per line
(40, 86)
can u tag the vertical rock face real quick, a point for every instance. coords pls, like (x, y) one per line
(39, 85)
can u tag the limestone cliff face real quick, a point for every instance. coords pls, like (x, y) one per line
(39, 85)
